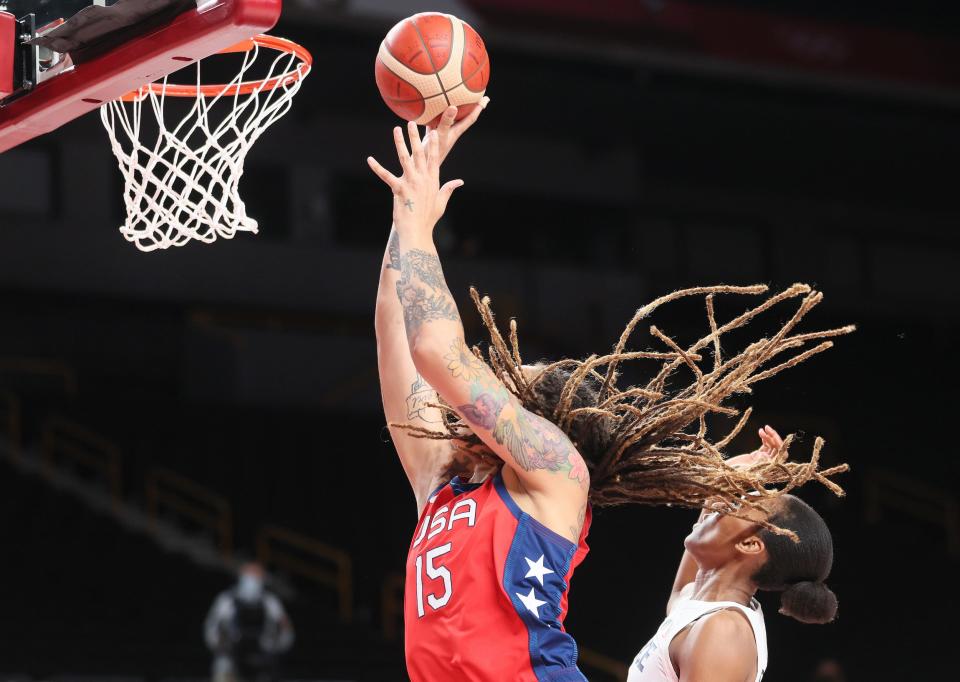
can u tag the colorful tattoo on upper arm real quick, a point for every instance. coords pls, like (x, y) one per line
(535, 443)
(462, 363)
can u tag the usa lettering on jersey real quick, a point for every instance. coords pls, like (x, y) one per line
(430, 562)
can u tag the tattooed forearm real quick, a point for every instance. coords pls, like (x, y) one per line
(423, 292)
(535, 443)
(420, 307)
(393, 250)
(425, 267)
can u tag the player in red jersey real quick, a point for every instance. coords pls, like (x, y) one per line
(499, 471)
(490, 563)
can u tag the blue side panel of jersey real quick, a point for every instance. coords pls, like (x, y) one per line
(537, 553)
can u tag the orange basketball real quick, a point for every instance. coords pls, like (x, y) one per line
(428, 62)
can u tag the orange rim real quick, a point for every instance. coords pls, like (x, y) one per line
(244, 88)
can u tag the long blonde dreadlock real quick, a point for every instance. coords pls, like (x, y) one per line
(638, 442)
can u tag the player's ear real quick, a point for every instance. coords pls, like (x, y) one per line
(751, 545)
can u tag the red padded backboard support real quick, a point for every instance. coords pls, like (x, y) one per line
(193, 35)
(8, 43)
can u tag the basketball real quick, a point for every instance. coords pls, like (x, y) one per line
(428, 62)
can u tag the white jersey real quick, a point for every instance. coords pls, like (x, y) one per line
(653, 663)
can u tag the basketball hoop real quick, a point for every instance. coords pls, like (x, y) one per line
(184, 185)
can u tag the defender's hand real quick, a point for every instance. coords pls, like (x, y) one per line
(770, 443)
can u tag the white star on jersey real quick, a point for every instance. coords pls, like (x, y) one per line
(537, 569)
(531, 602)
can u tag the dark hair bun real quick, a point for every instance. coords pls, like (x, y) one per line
(809, 602)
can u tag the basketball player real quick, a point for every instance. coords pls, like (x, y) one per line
(500, 533)
(714, 627)
(502, 456)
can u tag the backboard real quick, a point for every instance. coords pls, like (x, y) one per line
(60, 59)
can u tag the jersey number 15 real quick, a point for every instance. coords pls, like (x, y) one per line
(434, 572)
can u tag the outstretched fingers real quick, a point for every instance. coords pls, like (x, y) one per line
(765, 447)
(416, 145)
(470, 118)
(447, 191)
(391, 180)
(447, 119)
(771, 441)
(406, 161)
(434, 155)
(771, 438)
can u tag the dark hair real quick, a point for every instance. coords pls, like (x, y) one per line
(591, 433)
(798, 568)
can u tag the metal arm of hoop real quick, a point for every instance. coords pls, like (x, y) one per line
(247, 87)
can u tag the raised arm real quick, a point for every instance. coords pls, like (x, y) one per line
(406, 395)
(546, 464)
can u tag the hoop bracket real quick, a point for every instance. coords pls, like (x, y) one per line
(196, 33)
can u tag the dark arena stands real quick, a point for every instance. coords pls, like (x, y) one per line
(165, 417)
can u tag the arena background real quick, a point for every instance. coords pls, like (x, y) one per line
(163, 411)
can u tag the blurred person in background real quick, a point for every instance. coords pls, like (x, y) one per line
(247, 630)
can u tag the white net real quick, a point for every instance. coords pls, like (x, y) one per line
(184, 184)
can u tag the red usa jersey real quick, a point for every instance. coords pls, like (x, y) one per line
(486, 590)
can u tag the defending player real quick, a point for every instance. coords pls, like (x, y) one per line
(714, 628)
(502, 461)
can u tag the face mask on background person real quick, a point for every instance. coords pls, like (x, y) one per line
(249, 588)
